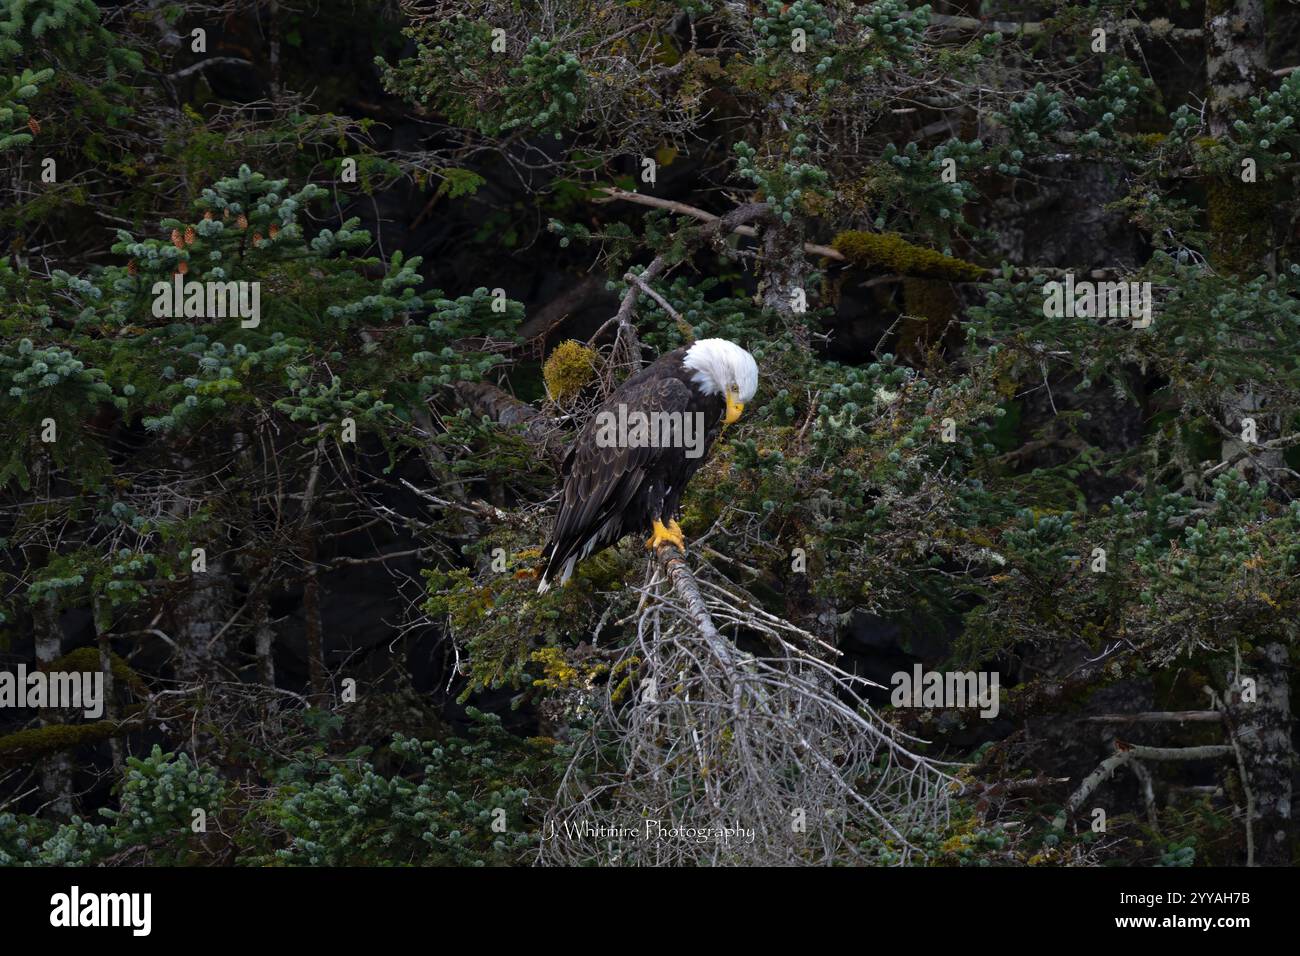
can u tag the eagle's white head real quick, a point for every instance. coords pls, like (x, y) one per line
(723, 368)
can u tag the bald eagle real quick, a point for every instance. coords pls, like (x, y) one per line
(628, 467)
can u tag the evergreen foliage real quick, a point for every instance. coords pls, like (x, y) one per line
(237, 515)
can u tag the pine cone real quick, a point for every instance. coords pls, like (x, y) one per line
(242, 221)
(190, 235)
(132, 268)
(34, 126)
(182, 267)
(177, 241)
(207, 216)
(274, 230)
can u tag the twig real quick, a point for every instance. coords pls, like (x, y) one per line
(641, 283)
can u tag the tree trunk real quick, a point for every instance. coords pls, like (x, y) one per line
(785, 274)
(1241, 243)
(1262, 731)
(56, 770)
(103, 625)
(316, 675)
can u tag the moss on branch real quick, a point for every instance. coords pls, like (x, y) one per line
(891, 251)
(87, 659)
(25, 746)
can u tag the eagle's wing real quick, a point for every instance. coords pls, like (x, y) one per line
(600, 482)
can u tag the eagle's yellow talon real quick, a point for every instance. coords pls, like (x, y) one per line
(671, 534)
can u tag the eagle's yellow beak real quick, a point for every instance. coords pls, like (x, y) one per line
(734, 408)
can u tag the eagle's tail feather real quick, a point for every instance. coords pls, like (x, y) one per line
(566, 555)
(566, 572)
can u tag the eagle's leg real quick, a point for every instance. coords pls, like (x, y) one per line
(662, 534)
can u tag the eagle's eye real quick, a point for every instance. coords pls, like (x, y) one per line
(734, 405)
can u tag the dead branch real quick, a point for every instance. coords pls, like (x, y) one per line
(204, 64)
(719, 756)
(684, 583)
(1157, 717)
(694, 212)
(1123, 756)
(486, 399)
(1156, 29)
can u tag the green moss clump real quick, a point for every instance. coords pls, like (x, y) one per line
(891, 251)
(568, 370)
